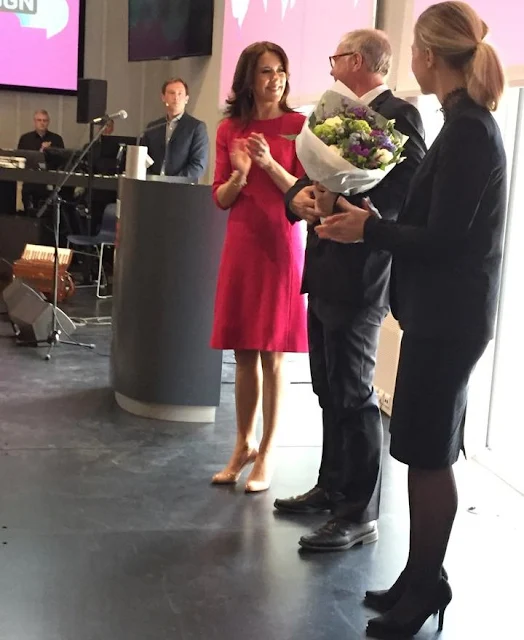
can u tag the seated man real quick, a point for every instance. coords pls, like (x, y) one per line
(38, 140)
(181, 146)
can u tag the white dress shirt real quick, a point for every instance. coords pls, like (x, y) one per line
(368, 97)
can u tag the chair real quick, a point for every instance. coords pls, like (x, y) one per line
(106, 237)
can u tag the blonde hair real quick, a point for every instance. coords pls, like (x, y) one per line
(455, 33)
(374, 47)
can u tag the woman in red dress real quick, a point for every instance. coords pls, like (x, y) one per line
(259, 311)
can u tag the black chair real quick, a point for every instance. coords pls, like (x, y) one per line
(105, 237)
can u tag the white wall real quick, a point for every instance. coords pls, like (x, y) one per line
(393, 16)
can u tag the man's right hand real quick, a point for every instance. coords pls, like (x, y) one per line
(303, 205)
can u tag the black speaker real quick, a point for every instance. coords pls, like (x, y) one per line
(91, 99)
(30, 315)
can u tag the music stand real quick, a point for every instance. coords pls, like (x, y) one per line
(55, 200)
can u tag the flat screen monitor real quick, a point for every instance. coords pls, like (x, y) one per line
(170, 29)
(110, 145)
(44, 43)
(111, 158)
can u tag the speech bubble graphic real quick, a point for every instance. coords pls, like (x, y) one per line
(285, 5)
(51, 15)
(239, 8)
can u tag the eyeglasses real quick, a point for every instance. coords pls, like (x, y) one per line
(333, 59)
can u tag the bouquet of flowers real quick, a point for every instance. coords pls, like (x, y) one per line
(346, 146)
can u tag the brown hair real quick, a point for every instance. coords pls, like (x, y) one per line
(374, 47)
(174, 81)
(455, 33)
(240, 102)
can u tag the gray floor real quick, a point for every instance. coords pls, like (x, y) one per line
(109, 529)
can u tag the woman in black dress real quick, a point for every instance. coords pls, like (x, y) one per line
(447, 252)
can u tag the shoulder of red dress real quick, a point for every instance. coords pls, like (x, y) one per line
(295, 118)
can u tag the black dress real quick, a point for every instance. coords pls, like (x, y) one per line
(447, 254)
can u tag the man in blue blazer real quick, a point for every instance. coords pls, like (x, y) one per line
(178, 143)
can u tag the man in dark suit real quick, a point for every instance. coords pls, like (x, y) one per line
(38, 140)
(178, 143)
(348, 300)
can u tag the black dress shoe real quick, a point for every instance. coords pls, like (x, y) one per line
(316, 500)
(337, 535)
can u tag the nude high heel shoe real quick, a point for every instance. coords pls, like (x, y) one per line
(260, 477)
(230, 474)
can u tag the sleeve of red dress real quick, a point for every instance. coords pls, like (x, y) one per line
(222, 163)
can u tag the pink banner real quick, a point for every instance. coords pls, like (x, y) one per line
(307, 30)
(504, 19)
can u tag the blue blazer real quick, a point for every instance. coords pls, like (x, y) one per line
(188, 149)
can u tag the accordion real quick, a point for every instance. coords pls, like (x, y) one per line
(36, 268)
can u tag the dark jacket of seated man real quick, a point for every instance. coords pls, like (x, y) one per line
(33, 141)
(350, 277)
(187, 151)
(33, 194)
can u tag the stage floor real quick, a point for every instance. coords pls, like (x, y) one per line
(110, 530)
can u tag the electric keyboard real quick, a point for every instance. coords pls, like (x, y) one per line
(32, 176)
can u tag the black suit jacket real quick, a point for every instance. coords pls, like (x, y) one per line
(447, 244)
(188, 149)
(352, 276)
(32, 141)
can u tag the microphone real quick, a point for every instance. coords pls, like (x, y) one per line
(119, 115)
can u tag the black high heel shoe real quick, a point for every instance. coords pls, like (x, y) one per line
(387, 627)
(386, 599)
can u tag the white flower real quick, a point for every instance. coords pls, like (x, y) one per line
(335, 149)
(334, 122)
(384, 156)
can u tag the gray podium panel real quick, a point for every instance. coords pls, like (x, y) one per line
(166, 265)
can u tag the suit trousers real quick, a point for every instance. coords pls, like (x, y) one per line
(342, 353)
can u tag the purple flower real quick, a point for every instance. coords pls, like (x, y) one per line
(359, 150)
(382, 141)
(360, 112)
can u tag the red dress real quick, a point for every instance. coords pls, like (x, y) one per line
(258, 302)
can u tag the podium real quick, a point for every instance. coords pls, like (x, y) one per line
(169, 243)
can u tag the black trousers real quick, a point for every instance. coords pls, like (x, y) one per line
(342, 353)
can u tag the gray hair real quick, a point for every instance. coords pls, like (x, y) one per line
(41, 111)
(374, 47)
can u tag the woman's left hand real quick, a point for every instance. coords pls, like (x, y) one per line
(345, 227)
(259, 150)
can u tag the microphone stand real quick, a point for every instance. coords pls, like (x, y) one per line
(90, 170)
(55, 200)
(89, 200)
